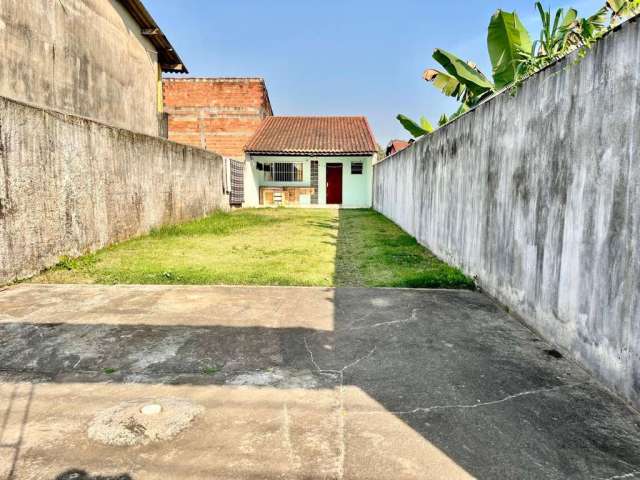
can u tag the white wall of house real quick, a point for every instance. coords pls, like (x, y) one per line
(357, 189)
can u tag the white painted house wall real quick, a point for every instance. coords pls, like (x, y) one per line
(357, 190)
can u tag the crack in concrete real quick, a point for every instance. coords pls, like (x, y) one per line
(356, 362)
(490, 403)
(476, 405)
(412, 318)
(342, 446)
(335, 372)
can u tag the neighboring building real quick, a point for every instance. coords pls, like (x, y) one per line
(396, 146)
(101, 59)
(311, 161)
(219, 114)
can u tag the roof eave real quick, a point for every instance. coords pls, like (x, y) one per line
(300, 153)
(168, 58)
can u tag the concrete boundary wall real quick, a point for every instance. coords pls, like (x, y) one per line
(538, 195)
(69, 185)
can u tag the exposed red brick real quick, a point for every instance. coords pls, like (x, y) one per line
(219, 114)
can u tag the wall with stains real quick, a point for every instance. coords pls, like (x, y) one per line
(538, 195)
(85, 57)
(69, 185)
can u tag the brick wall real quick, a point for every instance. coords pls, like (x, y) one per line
(218, 114)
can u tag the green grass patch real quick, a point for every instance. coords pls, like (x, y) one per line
(210, 370)
(307, 247)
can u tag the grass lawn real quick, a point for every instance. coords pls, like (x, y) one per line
(320, 247)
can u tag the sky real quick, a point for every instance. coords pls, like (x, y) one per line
(340, 57)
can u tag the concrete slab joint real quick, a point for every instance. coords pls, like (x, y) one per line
(315, 383)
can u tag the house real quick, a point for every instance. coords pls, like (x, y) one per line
(101, 59)
(219, 114)
(396, 146)
(310, 161)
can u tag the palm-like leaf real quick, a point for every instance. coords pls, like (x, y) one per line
(414, 128)
(447, 84)
(621, 9)
(507, 39)
(426, 125)
(474, 80)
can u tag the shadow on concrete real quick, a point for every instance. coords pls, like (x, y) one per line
(75, 474)
(452, 366)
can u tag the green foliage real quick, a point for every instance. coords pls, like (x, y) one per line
(592, 28)
(622, 9)
(415, 129)
(210, 370)
(315, 247)
(461, 110)
(513, 54)
(69, 263)
(507, 40)
(475, 83)
(447, 84)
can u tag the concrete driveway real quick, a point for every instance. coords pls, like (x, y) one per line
(284, 383)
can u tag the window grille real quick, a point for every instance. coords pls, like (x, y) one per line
(283, 172)
(356, 168)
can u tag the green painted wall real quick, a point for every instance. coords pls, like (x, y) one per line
(356, 189)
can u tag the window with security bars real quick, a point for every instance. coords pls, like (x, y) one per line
(356, 168)
(283, 172)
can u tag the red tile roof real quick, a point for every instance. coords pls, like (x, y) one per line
(397, 145)
(313, 136)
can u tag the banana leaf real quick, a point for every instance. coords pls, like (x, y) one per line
(507, 40)
(412, 127)
(474, 80)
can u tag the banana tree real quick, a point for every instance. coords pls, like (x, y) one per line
(590, 29)
(508, 42)
(460, 80)
(414, 128)
(514, 55)
(507, 39)
(621, 9)
(564, 34)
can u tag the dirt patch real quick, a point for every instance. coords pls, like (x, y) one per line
(142, 422)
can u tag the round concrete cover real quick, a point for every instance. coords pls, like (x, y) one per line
(127, 425)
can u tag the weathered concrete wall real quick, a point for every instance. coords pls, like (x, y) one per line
(69, 185)
(85, 57)
(538, 194)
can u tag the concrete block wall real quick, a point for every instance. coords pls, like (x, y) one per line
(83, 57)
(217, 114)
(538, 195)
(69, 185)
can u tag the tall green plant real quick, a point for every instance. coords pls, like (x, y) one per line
(560, 34)
(622, 9)
(414, 128)
(508, 41)
(514, 55)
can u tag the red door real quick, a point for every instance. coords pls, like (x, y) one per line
(334, 183)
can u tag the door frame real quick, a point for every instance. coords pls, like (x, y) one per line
(335, 165)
